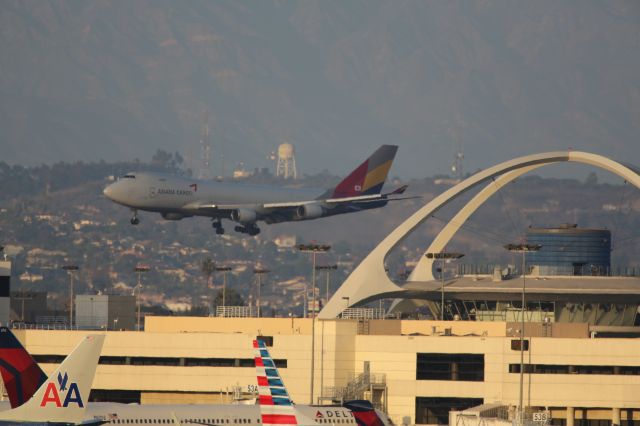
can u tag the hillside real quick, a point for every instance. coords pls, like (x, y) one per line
(74, 223)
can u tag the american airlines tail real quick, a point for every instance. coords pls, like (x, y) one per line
(369, 177)
(276, 408)
(22, 376)
(62, 398)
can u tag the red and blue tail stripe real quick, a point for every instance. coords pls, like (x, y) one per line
(369, 177)
(276, 408)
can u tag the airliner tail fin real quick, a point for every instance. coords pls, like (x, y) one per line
(63, 397)
(369, 177)
(22, 376)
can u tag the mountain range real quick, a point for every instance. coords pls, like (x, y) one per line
(108, 80)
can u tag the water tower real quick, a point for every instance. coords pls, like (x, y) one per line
(286, 161)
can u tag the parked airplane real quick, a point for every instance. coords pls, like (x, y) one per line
(176, 197)
(272, 398)
(62, 398)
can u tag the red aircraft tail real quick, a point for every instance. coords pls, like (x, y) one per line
(368, 178)
(21, 374)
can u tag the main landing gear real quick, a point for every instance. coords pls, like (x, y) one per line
(134, 219)
(250, 229)
(217, 225)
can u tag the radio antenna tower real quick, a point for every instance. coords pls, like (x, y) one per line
(205, 151)
(456, 167)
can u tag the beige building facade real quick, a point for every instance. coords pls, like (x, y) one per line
(417, 370)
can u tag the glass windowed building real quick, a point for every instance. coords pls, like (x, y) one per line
(569, 250)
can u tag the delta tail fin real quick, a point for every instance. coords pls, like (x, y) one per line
(369, 177)
(22, 376)
(63, 397)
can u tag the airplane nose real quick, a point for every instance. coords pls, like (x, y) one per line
(108, 192)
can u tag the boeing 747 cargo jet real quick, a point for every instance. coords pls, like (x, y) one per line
(176, 197)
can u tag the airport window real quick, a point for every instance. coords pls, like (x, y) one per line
(48, 359)
(268, 340)
(209, 362)
(607, 370)
(115, 360)
(431, 410)
(122, 396)
(154, 361)
(164, 361)
(455, 367)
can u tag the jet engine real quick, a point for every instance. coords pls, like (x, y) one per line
(309, 211)
(243, 216)
(173, 216)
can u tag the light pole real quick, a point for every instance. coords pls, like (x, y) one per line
(524, 249)
(259, 272)
(71, 270)
(328, 269)
(139, 269)
(314, 249)
(224, 270)
(443, 255)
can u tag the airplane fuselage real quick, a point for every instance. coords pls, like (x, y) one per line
(161, 193)
(208, 415)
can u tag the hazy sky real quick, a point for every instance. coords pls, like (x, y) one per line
(116, 80)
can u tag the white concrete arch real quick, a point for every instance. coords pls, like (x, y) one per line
(369, 281)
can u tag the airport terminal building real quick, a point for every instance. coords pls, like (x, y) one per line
(417, 371)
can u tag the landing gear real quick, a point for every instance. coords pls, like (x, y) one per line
(251, 229)
(217, 225)
(134, 219)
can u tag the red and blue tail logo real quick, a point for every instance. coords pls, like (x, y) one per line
(21, 374)
(276, 407)
(62, 393)
(369, 177)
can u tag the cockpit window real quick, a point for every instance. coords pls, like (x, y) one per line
(129, 176)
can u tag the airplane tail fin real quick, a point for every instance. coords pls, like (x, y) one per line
(62, 398)
(22, 376)
(276, 408)
(368, 178)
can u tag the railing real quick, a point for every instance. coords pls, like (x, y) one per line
(566, 270)
(236, 311)
(363, 313)
(43, 326)
(356, 387)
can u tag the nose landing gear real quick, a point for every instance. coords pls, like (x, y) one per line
(134, 219)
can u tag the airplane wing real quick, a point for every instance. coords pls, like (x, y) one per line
(285, 210)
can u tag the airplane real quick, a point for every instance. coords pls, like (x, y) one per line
(62, 398)
(178, 197)
(270, 398)
(277, 408)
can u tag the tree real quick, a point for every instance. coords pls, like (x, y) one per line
(232, 298)
(208, 268)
